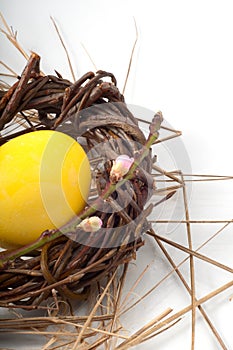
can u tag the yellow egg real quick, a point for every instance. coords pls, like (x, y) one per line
(44, 181)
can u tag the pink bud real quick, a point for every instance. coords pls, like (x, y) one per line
(120, 167)
(91, 224)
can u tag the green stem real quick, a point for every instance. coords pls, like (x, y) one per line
(7, 256)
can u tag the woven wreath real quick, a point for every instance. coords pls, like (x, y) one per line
(93, 111)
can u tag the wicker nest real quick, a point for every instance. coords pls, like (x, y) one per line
(92, 111)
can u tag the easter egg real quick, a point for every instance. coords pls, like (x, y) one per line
(44, 182)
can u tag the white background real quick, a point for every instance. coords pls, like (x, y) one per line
(183, 65)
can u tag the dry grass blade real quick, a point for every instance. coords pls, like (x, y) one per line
(12, 37)
(13, 73)
(197, 303)
(196, 254)
(131, 57)
(191, 260)
(176, 269)
(89, 319)
(117, 294)
(89, 56)
(143, 332)
(64, 46)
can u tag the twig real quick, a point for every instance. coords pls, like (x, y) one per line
(12, 104)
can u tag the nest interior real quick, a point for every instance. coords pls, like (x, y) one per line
(93, 111)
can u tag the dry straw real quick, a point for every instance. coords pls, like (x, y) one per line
(56, 272)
